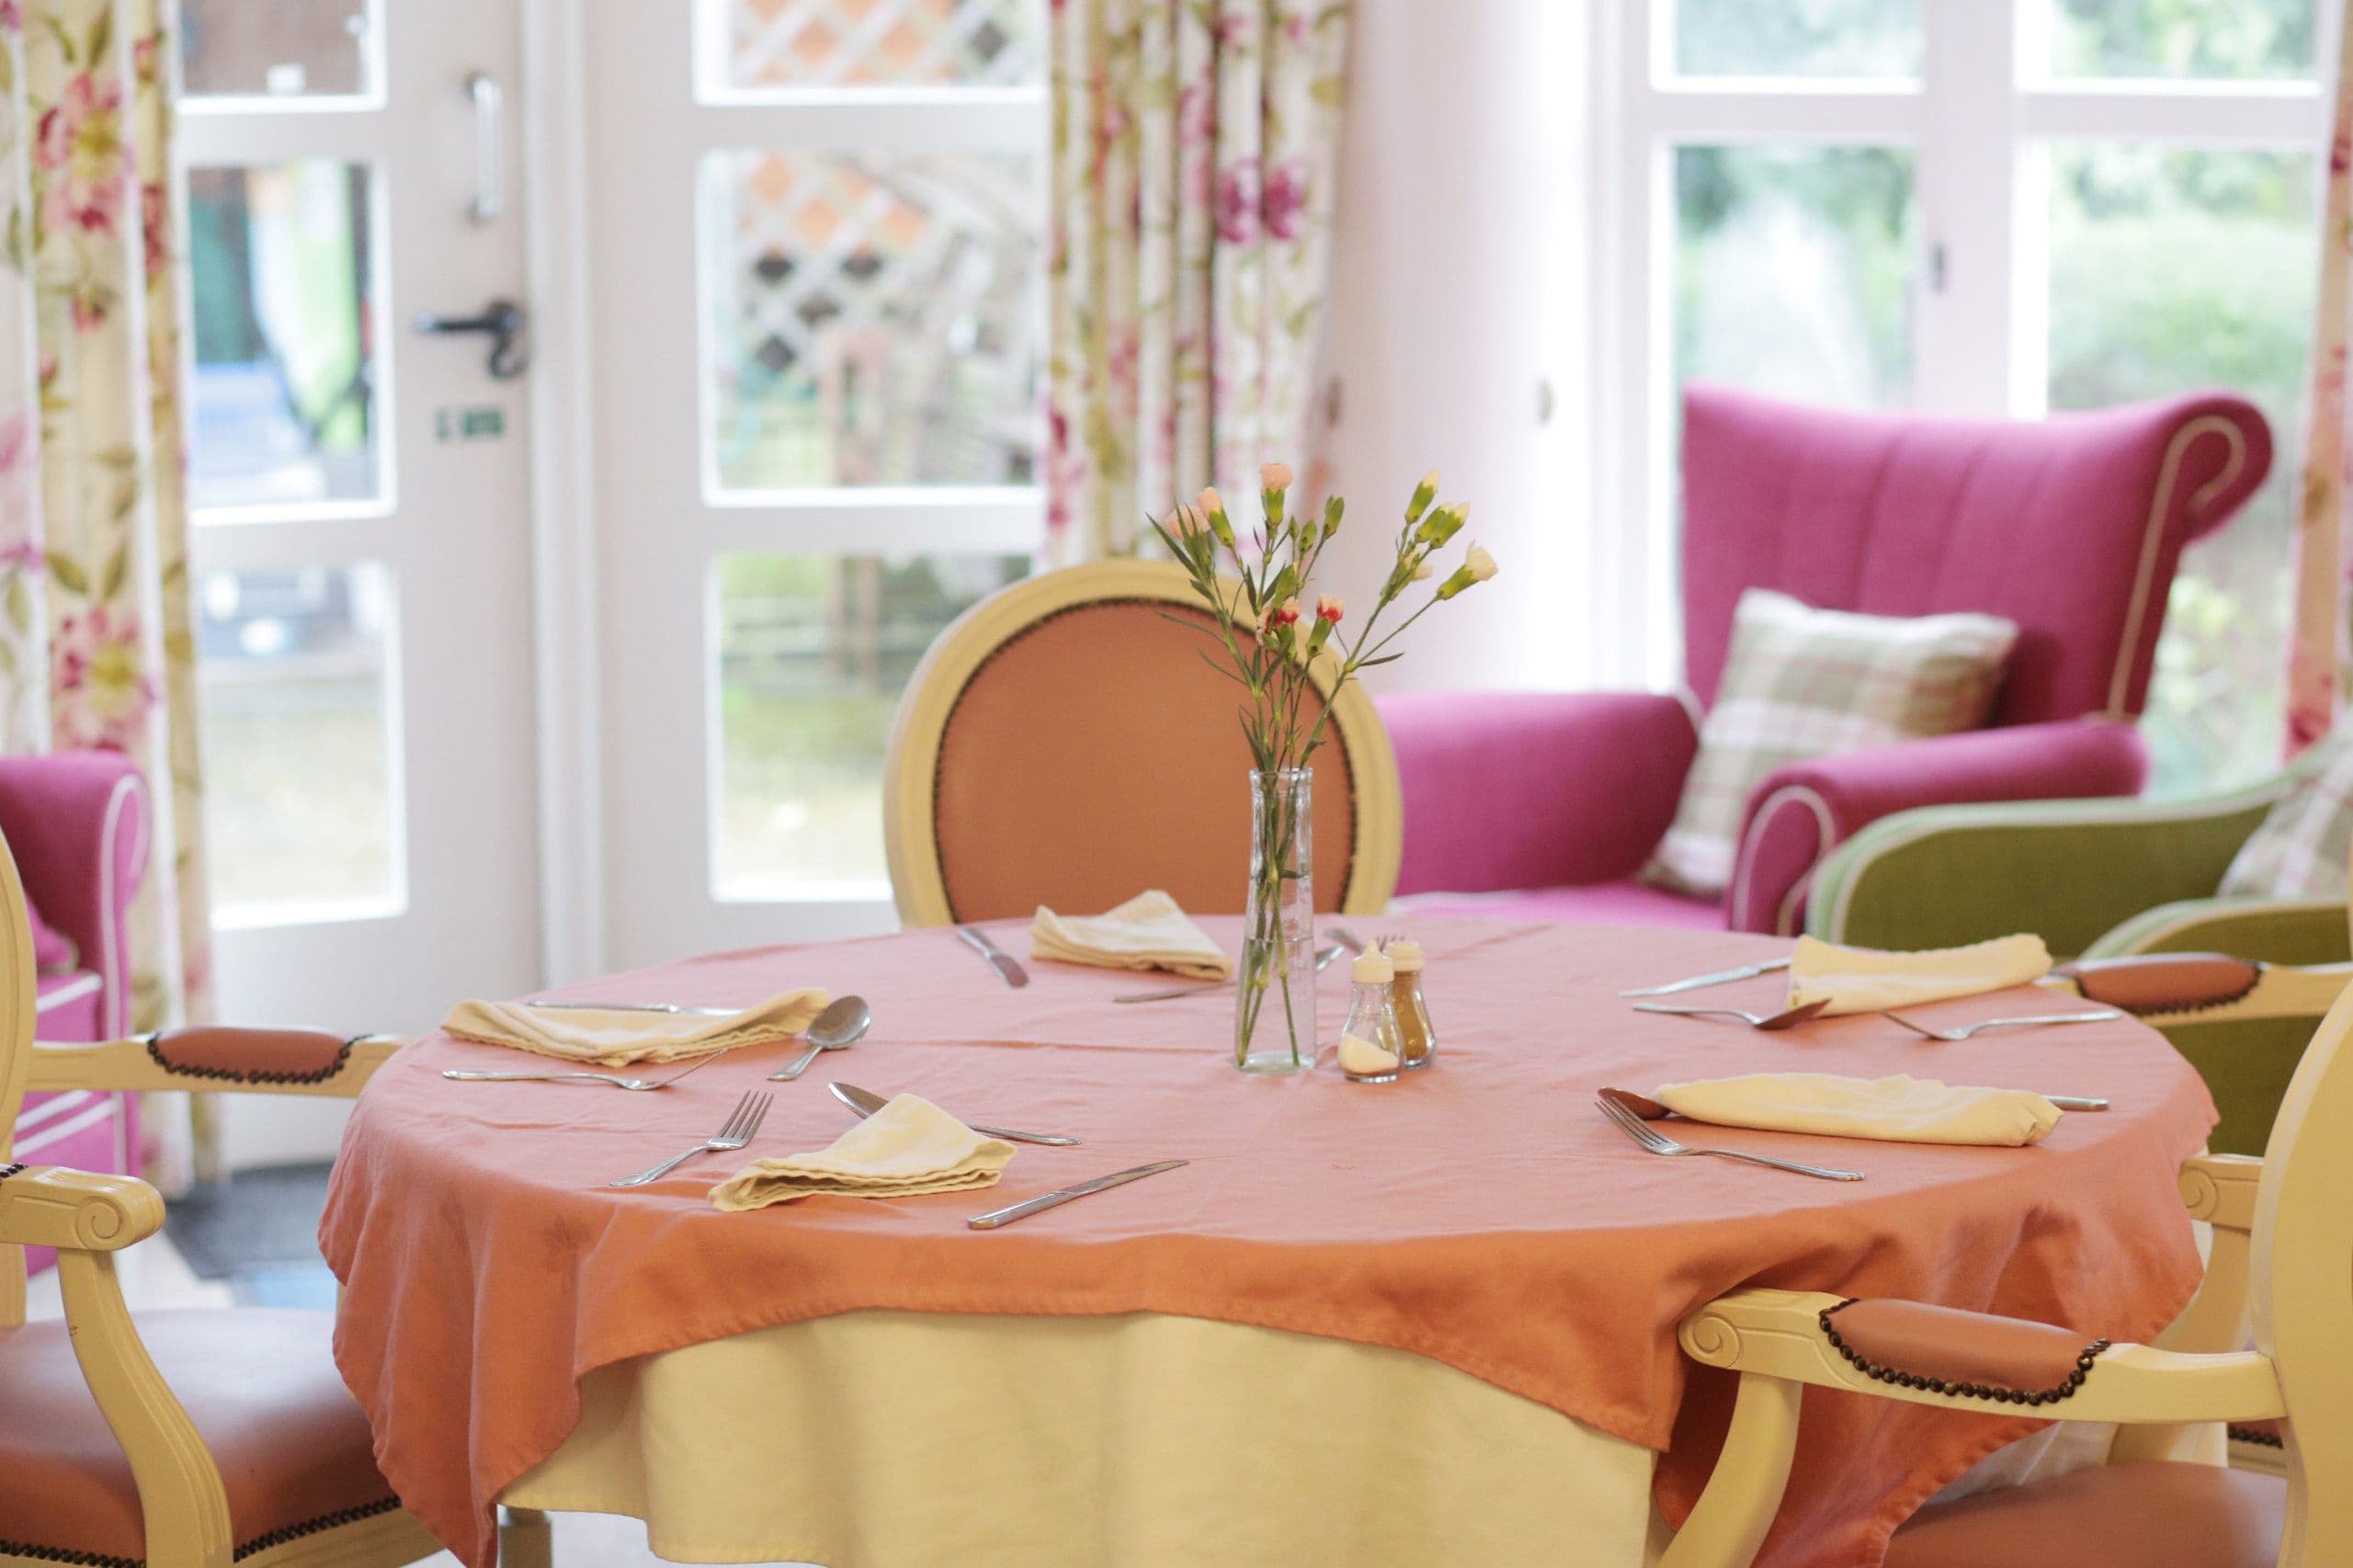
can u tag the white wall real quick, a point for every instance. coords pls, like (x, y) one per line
(1460, 285)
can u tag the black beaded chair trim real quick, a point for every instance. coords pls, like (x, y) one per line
(261, 1543)
(1969, 1391)
(153, 1043)
(2260, 1440)
(7, 1171)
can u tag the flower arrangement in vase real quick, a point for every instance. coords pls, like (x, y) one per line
(1293, 662)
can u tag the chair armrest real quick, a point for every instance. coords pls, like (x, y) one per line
(1781, 1334)
(2284, 931)
(217, 1058)
(76, 822)
(2220, 1189)
(1521, 789)
(71, 1210)
(2069, 869)
(1804, 810)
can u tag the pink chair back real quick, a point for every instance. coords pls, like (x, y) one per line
(2071, 526)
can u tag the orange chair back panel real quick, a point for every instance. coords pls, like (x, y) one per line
(1094, 753)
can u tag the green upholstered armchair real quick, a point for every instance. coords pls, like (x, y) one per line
(2097, 878)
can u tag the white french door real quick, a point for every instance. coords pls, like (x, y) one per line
(361, 495)
(817, 230)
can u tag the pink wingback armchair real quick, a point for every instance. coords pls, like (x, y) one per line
(78, 823)
(1546, 806)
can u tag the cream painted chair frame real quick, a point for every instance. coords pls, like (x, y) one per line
(909, 839)
(88, 1217)
(2281, 1225)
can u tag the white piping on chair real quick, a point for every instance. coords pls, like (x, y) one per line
(111, 1023)
(64, 1130)
(52, 1108)
(65, 993)
(2153, 535)
(1824, 824)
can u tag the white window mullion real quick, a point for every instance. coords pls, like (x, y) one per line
(1970, 289)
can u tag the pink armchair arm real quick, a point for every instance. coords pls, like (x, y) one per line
(1523, 790)
(76, 822)
(1802, 811)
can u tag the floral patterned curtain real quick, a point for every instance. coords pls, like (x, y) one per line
(1196, 149)
(95, 642)
(2321, 650)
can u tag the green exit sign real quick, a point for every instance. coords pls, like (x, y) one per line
(487, 424)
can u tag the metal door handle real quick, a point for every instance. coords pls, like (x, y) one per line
(504, 320)
(490, 154)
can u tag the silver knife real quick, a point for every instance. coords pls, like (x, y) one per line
(866, 1102)
(642, 1008)
(1000, 959)
(1719, 977)
(2077, 1102)
(996, 1217)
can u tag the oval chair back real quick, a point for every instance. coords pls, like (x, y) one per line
(17, 987)
(1064, 742)
(2301, 1271)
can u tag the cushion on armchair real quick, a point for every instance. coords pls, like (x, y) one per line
(2299, 849)
(54, 953)
(1801, 683)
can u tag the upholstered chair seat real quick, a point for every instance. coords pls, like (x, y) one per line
(260, 1384)
(2154, 1515)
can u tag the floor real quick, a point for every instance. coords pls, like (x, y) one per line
(154, 1275)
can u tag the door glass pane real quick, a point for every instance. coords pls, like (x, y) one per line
(2172, 270)
(872, 318)
(775, 46)
(813, 650)
(296, 722)
(1794, 269)
(1874, 38)
(2233, 40)
(286, 49)
(283, 319)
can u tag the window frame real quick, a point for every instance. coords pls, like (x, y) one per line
(1980, 329)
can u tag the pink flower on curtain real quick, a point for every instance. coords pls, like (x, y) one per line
(80, 142)
(12, 16)
(20, 511)
(99, 684)
(1237, 202)
(155, 227)
(1285, 200)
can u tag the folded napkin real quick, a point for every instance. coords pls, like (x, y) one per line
(1894, 1110)
(909, 1146)
(1865, 979)
(1147, 932)
(617, 1037)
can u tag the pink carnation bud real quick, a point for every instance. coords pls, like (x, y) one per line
(1329, 607)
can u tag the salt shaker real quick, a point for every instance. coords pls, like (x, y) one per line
(1370, 1048)
(1414, 1031)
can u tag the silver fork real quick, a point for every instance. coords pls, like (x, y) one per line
(1656, 1142)
(733, 1133)
(638, 1085)
(2029, 1021)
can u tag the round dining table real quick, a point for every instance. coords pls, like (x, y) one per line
(1390, 1325)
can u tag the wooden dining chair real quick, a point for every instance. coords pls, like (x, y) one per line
(172, 1439)
(2283, 1255)
(1067, 742)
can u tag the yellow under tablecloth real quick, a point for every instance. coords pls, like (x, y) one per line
(917, 1440)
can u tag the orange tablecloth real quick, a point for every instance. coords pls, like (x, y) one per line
(1481, 1215)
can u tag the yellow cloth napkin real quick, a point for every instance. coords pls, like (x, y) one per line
(1147, 932)
(1866, 980)
(1894, 1110)
(617, 1037)
(909, 1146)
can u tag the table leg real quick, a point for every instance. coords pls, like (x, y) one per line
(523, 1540)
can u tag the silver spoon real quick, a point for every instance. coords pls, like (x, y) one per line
(1770, 1023)
(838, 1027)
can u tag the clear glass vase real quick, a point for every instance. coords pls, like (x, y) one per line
(1274, 1009)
